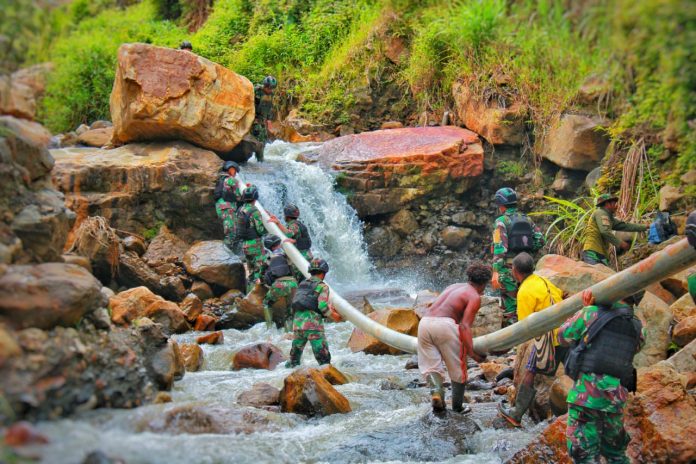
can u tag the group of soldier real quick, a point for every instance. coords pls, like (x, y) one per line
(596, 345)
(299, 304)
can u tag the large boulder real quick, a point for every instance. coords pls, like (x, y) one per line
(656, 318)
(166, 94)
(46, 295)
(21, 91)
(246, 311)
(258, 356)
(402, 320)
(387, 169)
(569, 275)
(138, 187)
(261, 394)
(549, 446)
(131, 304)
(684, 331)
(489, 317)
(307, 392)
(214, 262)
(34, 222)
(498, 124)
(576, 142)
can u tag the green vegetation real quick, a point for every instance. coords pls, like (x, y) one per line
(566, 233)
(511, 169)
(152, 232)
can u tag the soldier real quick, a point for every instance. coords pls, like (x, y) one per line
(250, 229)
(298, 234)
(309, 306)
(513, 232)
(228, 194)
(263, 100)
(691, 236)
(605, 338)
(598, 234)
(278, 276)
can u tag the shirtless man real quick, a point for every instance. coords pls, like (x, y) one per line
(441, 339)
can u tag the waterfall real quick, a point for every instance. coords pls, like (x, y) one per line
(333, 224)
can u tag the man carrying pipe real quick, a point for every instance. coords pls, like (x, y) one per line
(443, 340)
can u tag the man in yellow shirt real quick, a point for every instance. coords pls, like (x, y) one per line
(535, 294)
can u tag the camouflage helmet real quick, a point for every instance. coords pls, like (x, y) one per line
(270, 81)
(603, 198)
(227, 165)
(506, 197)
(270, 241)
(251, 193)
(185, 45)
(318, 266)
(291, 211)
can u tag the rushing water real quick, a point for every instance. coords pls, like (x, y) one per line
(390, 421)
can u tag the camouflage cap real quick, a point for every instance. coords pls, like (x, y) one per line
(603, 198)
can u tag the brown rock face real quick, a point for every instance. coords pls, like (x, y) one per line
(549, 446)
(387, 169)
(261, 394)
(307, 392)
(656, 318)
(685, 331)
(569, 275)
(133, 185)
(47, 295)
(191, 356)
(96, 137)
(258, 356)
(402, 320)
(20, 91)
(214, 263)
(576, 142)
(131, 304)
(682, 308)
(165, 94)
(499, 125)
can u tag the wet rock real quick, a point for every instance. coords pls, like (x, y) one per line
(677, 283)
(576, 142)
(559, 394)
(205, 322)
(455, 237)
(213, 338)
(162, 93)
(134, 244)
(99, 457)
(22, 433)
(382, 242)
(130, 305)
(134, 272)
(656, 318)
(195, 419)
(402, 320)
(258, 356)
(684, 331)
(261, 394)
(247, 312)
(192, 306)
(489, 318)
(192, 356)
(167, 365)
(136, 187)
(500, 390)
(165, 248)
(682, 308)
(381, 297)
(333, 375)
(672, 199)
(569, 275)
(412, 363)
(168, 314)
(214, 263)
(403, 223)
(307, 392)
(549, 446)
(491, 370)
(386, 170)
(162, 398)
(96, 137)
(46, 295)
(498, 124)
(230, 297)
(202, 290)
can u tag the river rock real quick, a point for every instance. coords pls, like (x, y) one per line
(16, 99)
(498, 124)
(192, 306)
(261, 394)
(130, 305)
(307, 392)
(191, 356)
(455, 237)
(96, 137)
(684, 331)
(138, 186)
(213, 338)
(192, 419)
(656, 318)
(165, 248)
(214, 263)
(258, 356)
(167, 365)
(402, 320)
(333, 375)
(46, 295)
(682, 308)
(134, 272)
(489, 318)
(163, 93)
(134, 244)
(202, 290)
(246, 312)
(576, 142)
(403, 222)
(549, 446)
(168, 314)
(382, 242)
(385, 170)
(492, 369)
(569, 275)
(677, 283)
(205, 322)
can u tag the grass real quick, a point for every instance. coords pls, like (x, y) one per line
(566, 233)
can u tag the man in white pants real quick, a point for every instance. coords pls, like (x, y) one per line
(444, 336)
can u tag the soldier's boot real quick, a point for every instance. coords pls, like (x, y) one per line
(437, 393)
(267, 316)
(523, 401)
(458, 398)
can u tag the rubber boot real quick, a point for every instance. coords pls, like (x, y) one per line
(437, 393)
(524, 399)
(458, 398)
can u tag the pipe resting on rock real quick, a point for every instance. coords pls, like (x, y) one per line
(656, 267)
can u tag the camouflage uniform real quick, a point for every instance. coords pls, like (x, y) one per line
(254, 251)
(281, 290)
(307, 326)
(264, 112)
(598, 236)
(595, 403)
(502, 264)
(226, 210)
(294, 233)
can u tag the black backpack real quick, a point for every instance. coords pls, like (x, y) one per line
(243, 226)
(221, 192)
(304, 241)
(664, 226)
(307, 297)
(277, 267)
(520, 233)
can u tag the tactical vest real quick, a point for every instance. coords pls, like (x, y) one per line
(307, 296)
(609, 346)
(520, 233)
(244, 225)
(221, 192)
(304, 241)
(278, 267)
